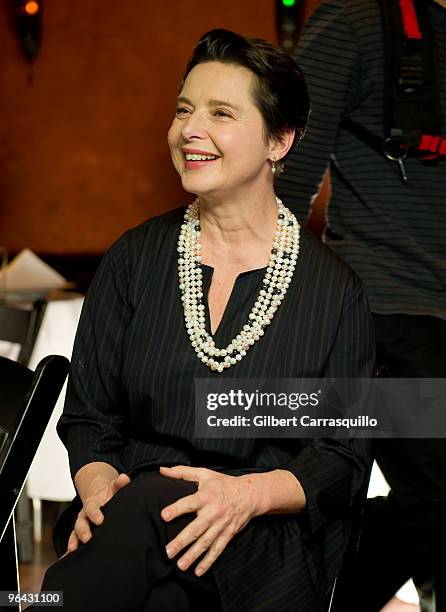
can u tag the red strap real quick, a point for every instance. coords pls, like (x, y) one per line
(435, 141)
(432, 146)
(425, 142)
(410, 20)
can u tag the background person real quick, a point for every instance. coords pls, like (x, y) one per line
(393, 234)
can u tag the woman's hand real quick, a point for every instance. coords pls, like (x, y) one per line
(223, 504)
(91, 511)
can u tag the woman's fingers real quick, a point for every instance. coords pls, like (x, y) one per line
(118, 483)
(191, 533)
(222, 510)
(92, 511)
(73, 543)
(184, 505)
(214, 551)
(202, 544)
(184, 472)
(82, 530)
(89, 514)
(211, 543)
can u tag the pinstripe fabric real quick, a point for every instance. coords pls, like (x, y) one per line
(130, 399)
(392, 235)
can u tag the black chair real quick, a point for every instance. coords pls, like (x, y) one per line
(27, 400)
(357, 513)
(21, 324)
(352, 548)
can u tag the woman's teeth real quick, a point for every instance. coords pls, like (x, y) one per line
(197, 157)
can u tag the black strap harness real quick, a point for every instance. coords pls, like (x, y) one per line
(412, 111)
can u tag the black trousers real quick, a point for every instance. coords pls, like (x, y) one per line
(124, 566)
(404, 534)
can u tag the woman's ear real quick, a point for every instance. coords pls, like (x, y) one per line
(280, 146)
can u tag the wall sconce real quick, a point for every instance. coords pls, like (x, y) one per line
(29, 26)
(289, 18)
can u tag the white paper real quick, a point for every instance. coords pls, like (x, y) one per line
(28, 273)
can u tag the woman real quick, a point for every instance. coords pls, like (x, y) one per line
(230, 287)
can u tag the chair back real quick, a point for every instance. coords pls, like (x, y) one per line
(341, 583)
(351, 550)
(20, 324)
(27, 400)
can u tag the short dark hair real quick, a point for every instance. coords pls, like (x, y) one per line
(279, 92)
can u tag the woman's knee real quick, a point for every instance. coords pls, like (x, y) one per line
(148, 494)
(160, 490)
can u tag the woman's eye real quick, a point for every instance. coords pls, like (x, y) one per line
(181, 111)
(222, 113)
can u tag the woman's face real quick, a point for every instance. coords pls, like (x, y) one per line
(217, 137)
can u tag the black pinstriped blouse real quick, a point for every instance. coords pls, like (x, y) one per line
(130, 398)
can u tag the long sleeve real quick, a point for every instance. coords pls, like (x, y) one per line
(91, 426)
(332, 472)
(329, 57)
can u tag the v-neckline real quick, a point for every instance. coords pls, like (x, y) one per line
(209, 271)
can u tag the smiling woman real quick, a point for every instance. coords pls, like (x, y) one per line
(233, 106)
(165, 520)
(231, 130)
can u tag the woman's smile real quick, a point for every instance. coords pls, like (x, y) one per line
(195, 159)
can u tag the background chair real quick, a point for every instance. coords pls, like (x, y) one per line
(20, 324)
(357, 516)
(352, 548)
(357, 513)
(27, 399)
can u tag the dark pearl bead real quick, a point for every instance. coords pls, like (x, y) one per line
(281, 216)
(274, 251)
(197, 228)
(290, 222)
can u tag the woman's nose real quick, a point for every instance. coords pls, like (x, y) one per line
(194, 126)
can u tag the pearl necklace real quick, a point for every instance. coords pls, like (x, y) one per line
(276, 281)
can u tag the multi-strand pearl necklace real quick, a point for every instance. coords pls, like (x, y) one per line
(276, 281)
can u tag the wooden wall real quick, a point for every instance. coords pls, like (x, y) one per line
(83, 152)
